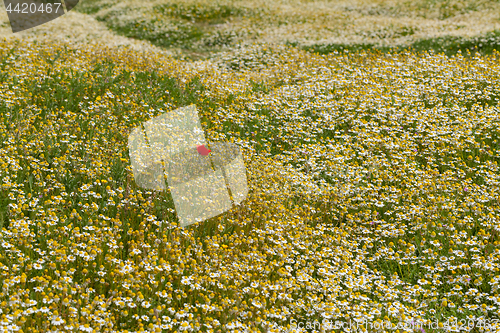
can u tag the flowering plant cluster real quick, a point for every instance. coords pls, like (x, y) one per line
(373, 191)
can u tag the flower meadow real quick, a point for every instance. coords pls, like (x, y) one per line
(374, 191)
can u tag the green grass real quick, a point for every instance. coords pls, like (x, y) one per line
(177, 33)
(428, 9)
(71, 91)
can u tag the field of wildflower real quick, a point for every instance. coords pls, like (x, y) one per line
(373, 171)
